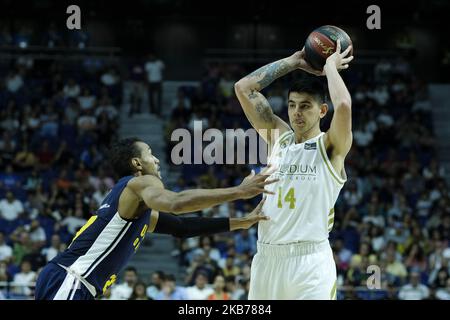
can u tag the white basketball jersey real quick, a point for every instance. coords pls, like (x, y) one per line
(302, 208)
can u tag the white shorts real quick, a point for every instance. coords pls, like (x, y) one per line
(300, 271)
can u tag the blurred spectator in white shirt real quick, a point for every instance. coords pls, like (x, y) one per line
(201, 290)
(5, 250)
(71, 89)
(10, 207)
(14, 82)
(24, 279)
(414, 290)
(54, 249)
(124, 290)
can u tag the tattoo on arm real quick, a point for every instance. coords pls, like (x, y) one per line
(252, 95)
(265, 112)
(271, 72)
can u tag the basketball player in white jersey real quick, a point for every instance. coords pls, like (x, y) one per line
(294, 259)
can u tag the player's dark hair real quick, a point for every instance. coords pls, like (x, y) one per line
(120, 154)
(310, 85)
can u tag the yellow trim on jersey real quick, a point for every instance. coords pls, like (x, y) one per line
(333, 292)
(327, 161)
(83, 228)
(330, 219)
(283, 137)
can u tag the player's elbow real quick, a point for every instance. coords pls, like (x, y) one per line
(241, 86)
(345, 105)
(238, 87)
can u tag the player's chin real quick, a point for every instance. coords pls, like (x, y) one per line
(298, 125)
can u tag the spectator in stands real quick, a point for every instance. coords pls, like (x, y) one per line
(110, 77)
(219, 289)
(170, 291)
(245, 241)
(22, 245)
(100, 194)
(154, 68)
(54, 249)
(415, 258)
(45, 154)
(233, 289)
(9, 180)
(87, 100)
(201, 290)
(444, 293)
(136, 80)
(414, 290)
(157, 280)
(24, 280)
(71, 89)
(87, 121)
(4, 277)
(139, 292)
(124, 290)
(106, 106)
(342, 255)
(73, 221)
(396, 270)
(14, 81)
(181, 103)
(245, 283)
(206, 247)
(10, 207)
(7, 147)
(36, 232)
(5, 250)
(230, 268)
(25, 159)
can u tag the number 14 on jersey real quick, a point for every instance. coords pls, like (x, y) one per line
(289, 197)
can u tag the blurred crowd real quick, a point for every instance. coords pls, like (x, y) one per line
(23, 34)
(56, 121)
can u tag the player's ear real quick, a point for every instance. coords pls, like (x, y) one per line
(323, 110)
(136, 163)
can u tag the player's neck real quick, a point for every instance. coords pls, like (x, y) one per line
(301, 137)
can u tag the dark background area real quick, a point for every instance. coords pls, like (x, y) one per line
(188, 32)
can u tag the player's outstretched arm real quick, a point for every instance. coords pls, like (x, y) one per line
(340, 132)
(151, 190)
(185, 227)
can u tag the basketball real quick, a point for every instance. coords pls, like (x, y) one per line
(321, 43)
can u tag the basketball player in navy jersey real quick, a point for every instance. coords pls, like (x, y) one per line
(137, 204)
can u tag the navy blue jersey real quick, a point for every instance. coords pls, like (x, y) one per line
(104, 245)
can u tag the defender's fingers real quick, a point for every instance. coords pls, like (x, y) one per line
(267, 171)
(261, 203)
(252, 173)
(266, 182)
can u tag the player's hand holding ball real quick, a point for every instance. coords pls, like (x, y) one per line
(340, 60)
